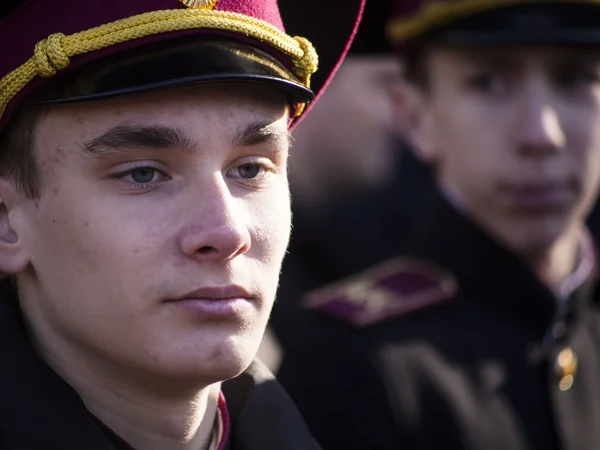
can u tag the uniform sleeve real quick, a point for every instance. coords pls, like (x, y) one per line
(339, 392)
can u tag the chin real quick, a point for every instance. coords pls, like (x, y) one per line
(211, 360)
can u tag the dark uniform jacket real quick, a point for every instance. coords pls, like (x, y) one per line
(455, 345)
(39, 411)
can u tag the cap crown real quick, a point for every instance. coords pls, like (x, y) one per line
(40, 39)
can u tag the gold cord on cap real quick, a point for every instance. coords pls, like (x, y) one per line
(308, 64)
(50, 57)
(54, 53)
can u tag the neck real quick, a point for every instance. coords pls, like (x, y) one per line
(144, 423)
(141, 411)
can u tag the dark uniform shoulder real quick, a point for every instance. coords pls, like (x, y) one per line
(391, 289)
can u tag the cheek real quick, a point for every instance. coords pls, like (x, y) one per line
(471, 121)
(586, 148)
(269, 227)
(472, 134)
(583, 135)
(471, 151)
(67, 256)
(76, 251)
(270, 218)
(86, 237)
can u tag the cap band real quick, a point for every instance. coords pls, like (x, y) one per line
(439, 12)
(53, 54)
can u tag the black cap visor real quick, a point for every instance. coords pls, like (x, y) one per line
(539, 23)
(178, 62)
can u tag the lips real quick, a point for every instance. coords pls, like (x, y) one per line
(215, 293)
(539, 196)
(216, 303)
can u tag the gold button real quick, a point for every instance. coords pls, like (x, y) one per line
(565, 368)
(566, 383)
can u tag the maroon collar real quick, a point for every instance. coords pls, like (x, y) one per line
(222, 405)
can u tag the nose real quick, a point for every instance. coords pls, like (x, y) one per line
(218, 230)
(539, 126)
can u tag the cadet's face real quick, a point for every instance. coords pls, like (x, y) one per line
(515, 133)
(158, 240)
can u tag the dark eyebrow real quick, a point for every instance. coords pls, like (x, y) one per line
(138, 137)
(256, 133)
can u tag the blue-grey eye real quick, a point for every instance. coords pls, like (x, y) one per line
(143, 174)
(249, 170)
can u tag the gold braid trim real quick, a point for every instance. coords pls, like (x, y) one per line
(439, 12)
(54, 53)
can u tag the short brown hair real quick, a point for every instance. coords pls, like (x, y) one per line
(17, 158)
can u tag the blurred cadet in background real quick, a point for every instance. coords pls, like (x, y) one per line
(485, 332)
(349, 147)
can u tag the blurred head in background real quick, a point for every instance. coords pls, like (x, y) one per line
(507, 110)
(351, 139)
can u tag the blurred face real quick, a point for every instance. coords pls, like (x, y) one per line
(156, 245)
(515, 136)
(349, 135)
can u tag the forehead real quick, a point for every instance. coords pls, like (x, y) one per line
(211, 109)
(516, 55)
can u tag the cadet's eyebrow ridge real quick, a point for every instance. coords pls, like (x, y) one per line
(138, 136)
(256, 133)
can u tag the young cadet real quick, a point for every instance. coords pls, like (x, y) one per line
(485, 334)
(144, 215)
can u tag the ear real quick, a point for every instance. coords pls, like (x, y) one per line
(420, 129)
(14, 248)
